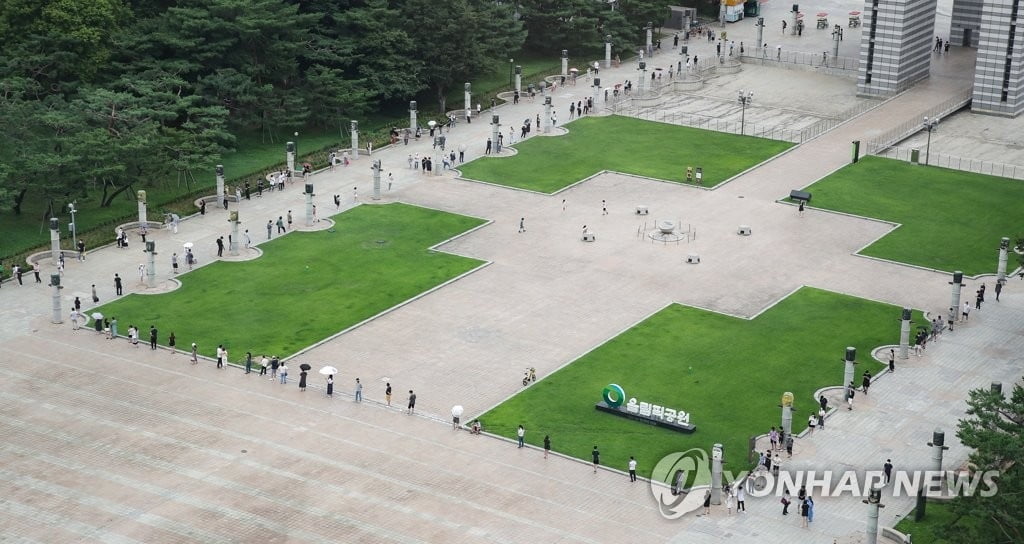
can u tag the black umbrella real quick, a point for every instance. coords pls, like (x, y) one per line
(304, 366)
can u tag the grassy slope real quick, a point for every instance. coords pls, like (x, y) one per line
(306, 286)
(729, 373)
(951, 220)
(624, 144)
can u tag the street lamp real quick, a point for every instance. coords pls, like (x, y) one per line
(74, 227)
(510, 63)
(296, 144)
(929, 125)
(744, 98)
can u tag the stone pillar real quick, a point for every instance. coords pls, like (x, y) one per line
(289, 155)
(412, 115)
(376, 177)
(519, 79)
(141, 197)
(787, 412)
(608, 51)
(220, 183)
(938, 445)
(905, 334)
(54, 239)
(849, 374)
(495, 132)
(650, 38)
(543, 89)
(58, 313)
(547, 115)
(597, 92)
(793, 22)
(717, 454)
(874, 502)
(760, 33)
(151, 266)
(355, 139)
(1004, 247)
(642, 68)
(837, 36)
(436, 160)
(309, 203)
(467, 95)
(565, 62)
(233, 243)
(996, 388)
(954, 303)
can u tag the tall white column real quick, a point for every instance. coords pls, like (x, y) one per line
(565, 62)
(54, 239)
(468, 96)
(141, 196)
(220, 183)
(354, 131)
(412, 117)
(608, 51)
(289, 155)
(58, 313)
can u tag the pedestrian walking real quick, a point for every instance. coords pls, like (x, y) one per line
(359, 391)
(264, 364)
(522, 225)
(152, 337)
(821, 419)
(741, 498)
(707, 502)
(412, 403)
(35, 272)
(604, 208)
(887, 469)
(520, 434)
(283, 373)
(547, 445)
(289, 220)
(730, 500)
(789, 445)
(95, 297)
(850, 393)
(302, 380)
(118, 288)
(270, 225)
(786, 500)
(220, 356)
(387, 393)
(248, 362)
(220, 246)
(596, 457)
(171, 342)
(892, 360)
(865, 381)
(195, 353)
(632, 469)
(330, 385)
(999, 288)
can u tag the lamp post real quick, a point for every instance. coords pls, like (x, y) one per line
(929, 125)
(74, 227)
(744, 98)
(511, 62)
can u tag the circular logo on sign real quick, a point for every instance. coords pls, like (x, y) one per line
(613, 395)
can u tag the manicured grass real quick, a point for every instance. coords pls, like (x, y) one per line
(950, 220)
(623, 144)
(307, 285)
(939, 520)
(729, 373)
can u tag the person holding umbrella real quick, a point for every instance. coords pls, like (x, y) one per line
(302, 376)
(329, 371)
(456, 414)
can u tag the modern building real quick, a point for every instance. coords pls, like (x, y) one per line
(999, 71)
(896, 45)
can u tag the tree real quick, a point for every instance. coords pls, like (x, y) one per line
(461, 40)
(995, 431)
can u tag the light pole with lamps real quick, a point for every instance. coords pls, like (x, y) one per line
(929, 125)
(74, 227)
(296, 144)
(744, 99)
(511, 62)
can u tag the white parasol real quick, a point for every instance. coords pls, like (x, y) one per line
(97, 315)
(457, 410)
(188, 245)
(328, 371)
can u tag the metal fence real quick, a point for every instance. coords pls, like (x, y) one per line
(907, 129)
(714, 123)
(825, 60)
(955, 163)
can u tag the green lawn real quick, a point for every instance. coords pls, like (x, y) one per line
(937, 522)
(307, 285)
(729, 373)
(951, 220)
(623, 144)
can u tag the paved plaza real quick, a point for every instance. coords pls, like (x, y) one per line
(106, 443)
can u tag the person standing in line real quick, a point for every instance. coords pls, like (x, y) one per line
(786, 500)
(632, 468)
(821, 419)
(195, 354)
(270, 225)
(264, 364)
(965, 314)
(741, 499)
(280, 225)
(220, 356)
(248, 362)
(865, 382)
(412, 403)
(283, 373)
(596, 456)
(118, 288)
(171, 341)
(789, 445)
(387, 393)
(274, 364)
(892, 360)
(330, 385)
(359, 391)
(547, 445)
(302, 380)
(804, 507)
(152, 337)
(95, 297)
(521, 433)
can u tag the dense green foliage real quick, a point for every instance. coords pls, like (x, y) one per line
(728, 373)
(949, 219)
(656, 150)
(374, 258)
